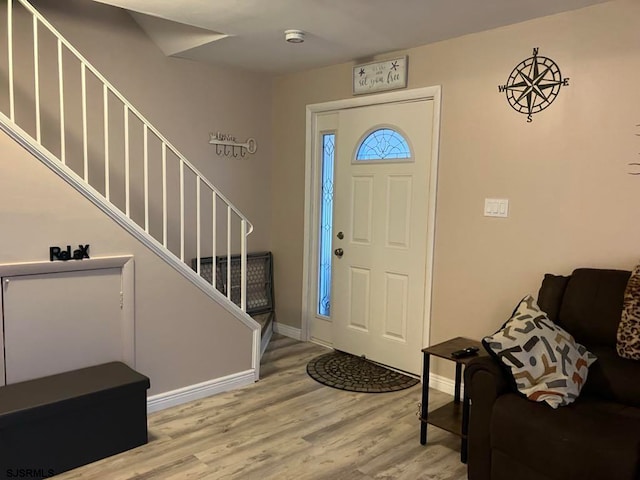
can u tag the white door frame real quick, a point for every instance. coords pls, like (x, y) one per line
(311, 204)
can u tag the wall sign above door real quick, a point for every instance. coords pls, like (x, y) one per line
(533, 85)
(380, 76)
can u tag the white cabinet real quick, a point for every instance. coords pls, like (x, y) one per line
(60, 321)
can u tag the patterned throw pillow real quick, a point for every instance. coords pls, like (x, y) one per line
(628, 344)
(546, 362)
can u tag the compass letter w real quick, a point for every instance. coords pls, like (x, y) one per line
(502, 88)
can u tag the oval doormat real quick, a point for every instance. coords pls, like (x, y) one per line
(356, 374)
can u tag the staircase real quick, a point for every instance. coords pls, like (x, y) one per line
(100, 144)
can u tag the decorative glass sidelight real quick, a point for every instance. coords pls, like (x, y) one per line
(383, 144)
(326, 225)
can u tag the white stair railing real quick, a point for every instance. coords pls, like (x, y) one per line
(119, 151)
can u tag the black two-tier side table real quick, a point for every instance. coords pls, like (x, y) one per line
(454, 416)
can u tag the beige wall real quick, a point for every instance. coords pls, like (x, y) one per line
(182, 337)
(572, 201)
(185, 100)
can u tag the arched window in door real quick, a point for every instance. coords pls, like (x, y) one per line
(383, 144)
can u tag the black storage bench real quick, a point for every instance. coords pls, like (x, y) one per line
(53, 424)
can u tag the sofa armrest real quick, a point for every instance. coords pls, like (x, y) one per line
(484, 382)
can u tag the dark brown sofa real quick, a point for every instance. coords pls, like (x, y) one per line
(597, 436)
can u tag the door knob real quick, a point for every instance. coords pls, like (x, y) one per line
(339, 252)
(340, 235)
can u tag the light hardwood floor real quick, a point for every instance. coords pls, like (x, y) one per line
(288, 426)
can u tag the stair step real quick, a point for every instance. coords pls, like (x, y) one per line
(264, 319)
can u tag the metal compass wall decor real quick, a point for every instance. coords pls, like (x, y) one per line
(533, 85)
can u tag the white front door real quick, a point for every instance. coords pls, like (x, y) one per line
(381, 211)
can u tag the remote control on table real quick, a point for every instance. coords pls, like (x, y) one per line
(466, 352)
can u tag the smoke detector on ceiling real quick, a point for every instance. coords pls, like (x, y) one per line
(294, 36)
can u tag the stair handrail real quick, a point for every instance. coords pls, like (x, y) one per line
(246, 225)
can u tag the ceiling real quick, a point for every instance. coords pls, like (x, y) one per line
(249, 34)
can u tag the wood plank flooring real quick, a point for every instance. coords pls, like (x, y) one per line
(288, 426)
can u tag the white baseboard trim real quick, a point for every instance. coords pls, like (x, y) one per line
(287, 331)
(322, 343)
(443, 384)
(199, 390)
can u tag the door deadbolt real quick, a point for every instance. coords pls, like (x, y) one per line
(339, 252)
(340, 235)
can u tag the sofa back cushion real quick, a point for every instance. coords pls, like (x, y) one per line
(551, 294)
(613, 378)
(591, 306)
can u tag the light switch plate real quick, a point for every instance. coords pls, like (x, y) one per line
(496, 207)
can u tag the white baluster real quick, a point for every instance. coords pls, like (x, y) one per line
(63, 149)
(164, 195)
(146, 178)
(213, 239)
(127, 180)
(181, 210)
(229, 251)
(198, 223)
(105, 108)
(36, 77)
(12, 113)
(243, 265)
(85, 149)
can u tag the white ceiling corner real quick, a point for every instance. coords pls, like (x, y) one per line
(174, 38)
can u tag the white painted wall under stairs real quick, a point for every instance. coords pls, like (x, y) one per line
(189, 339)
